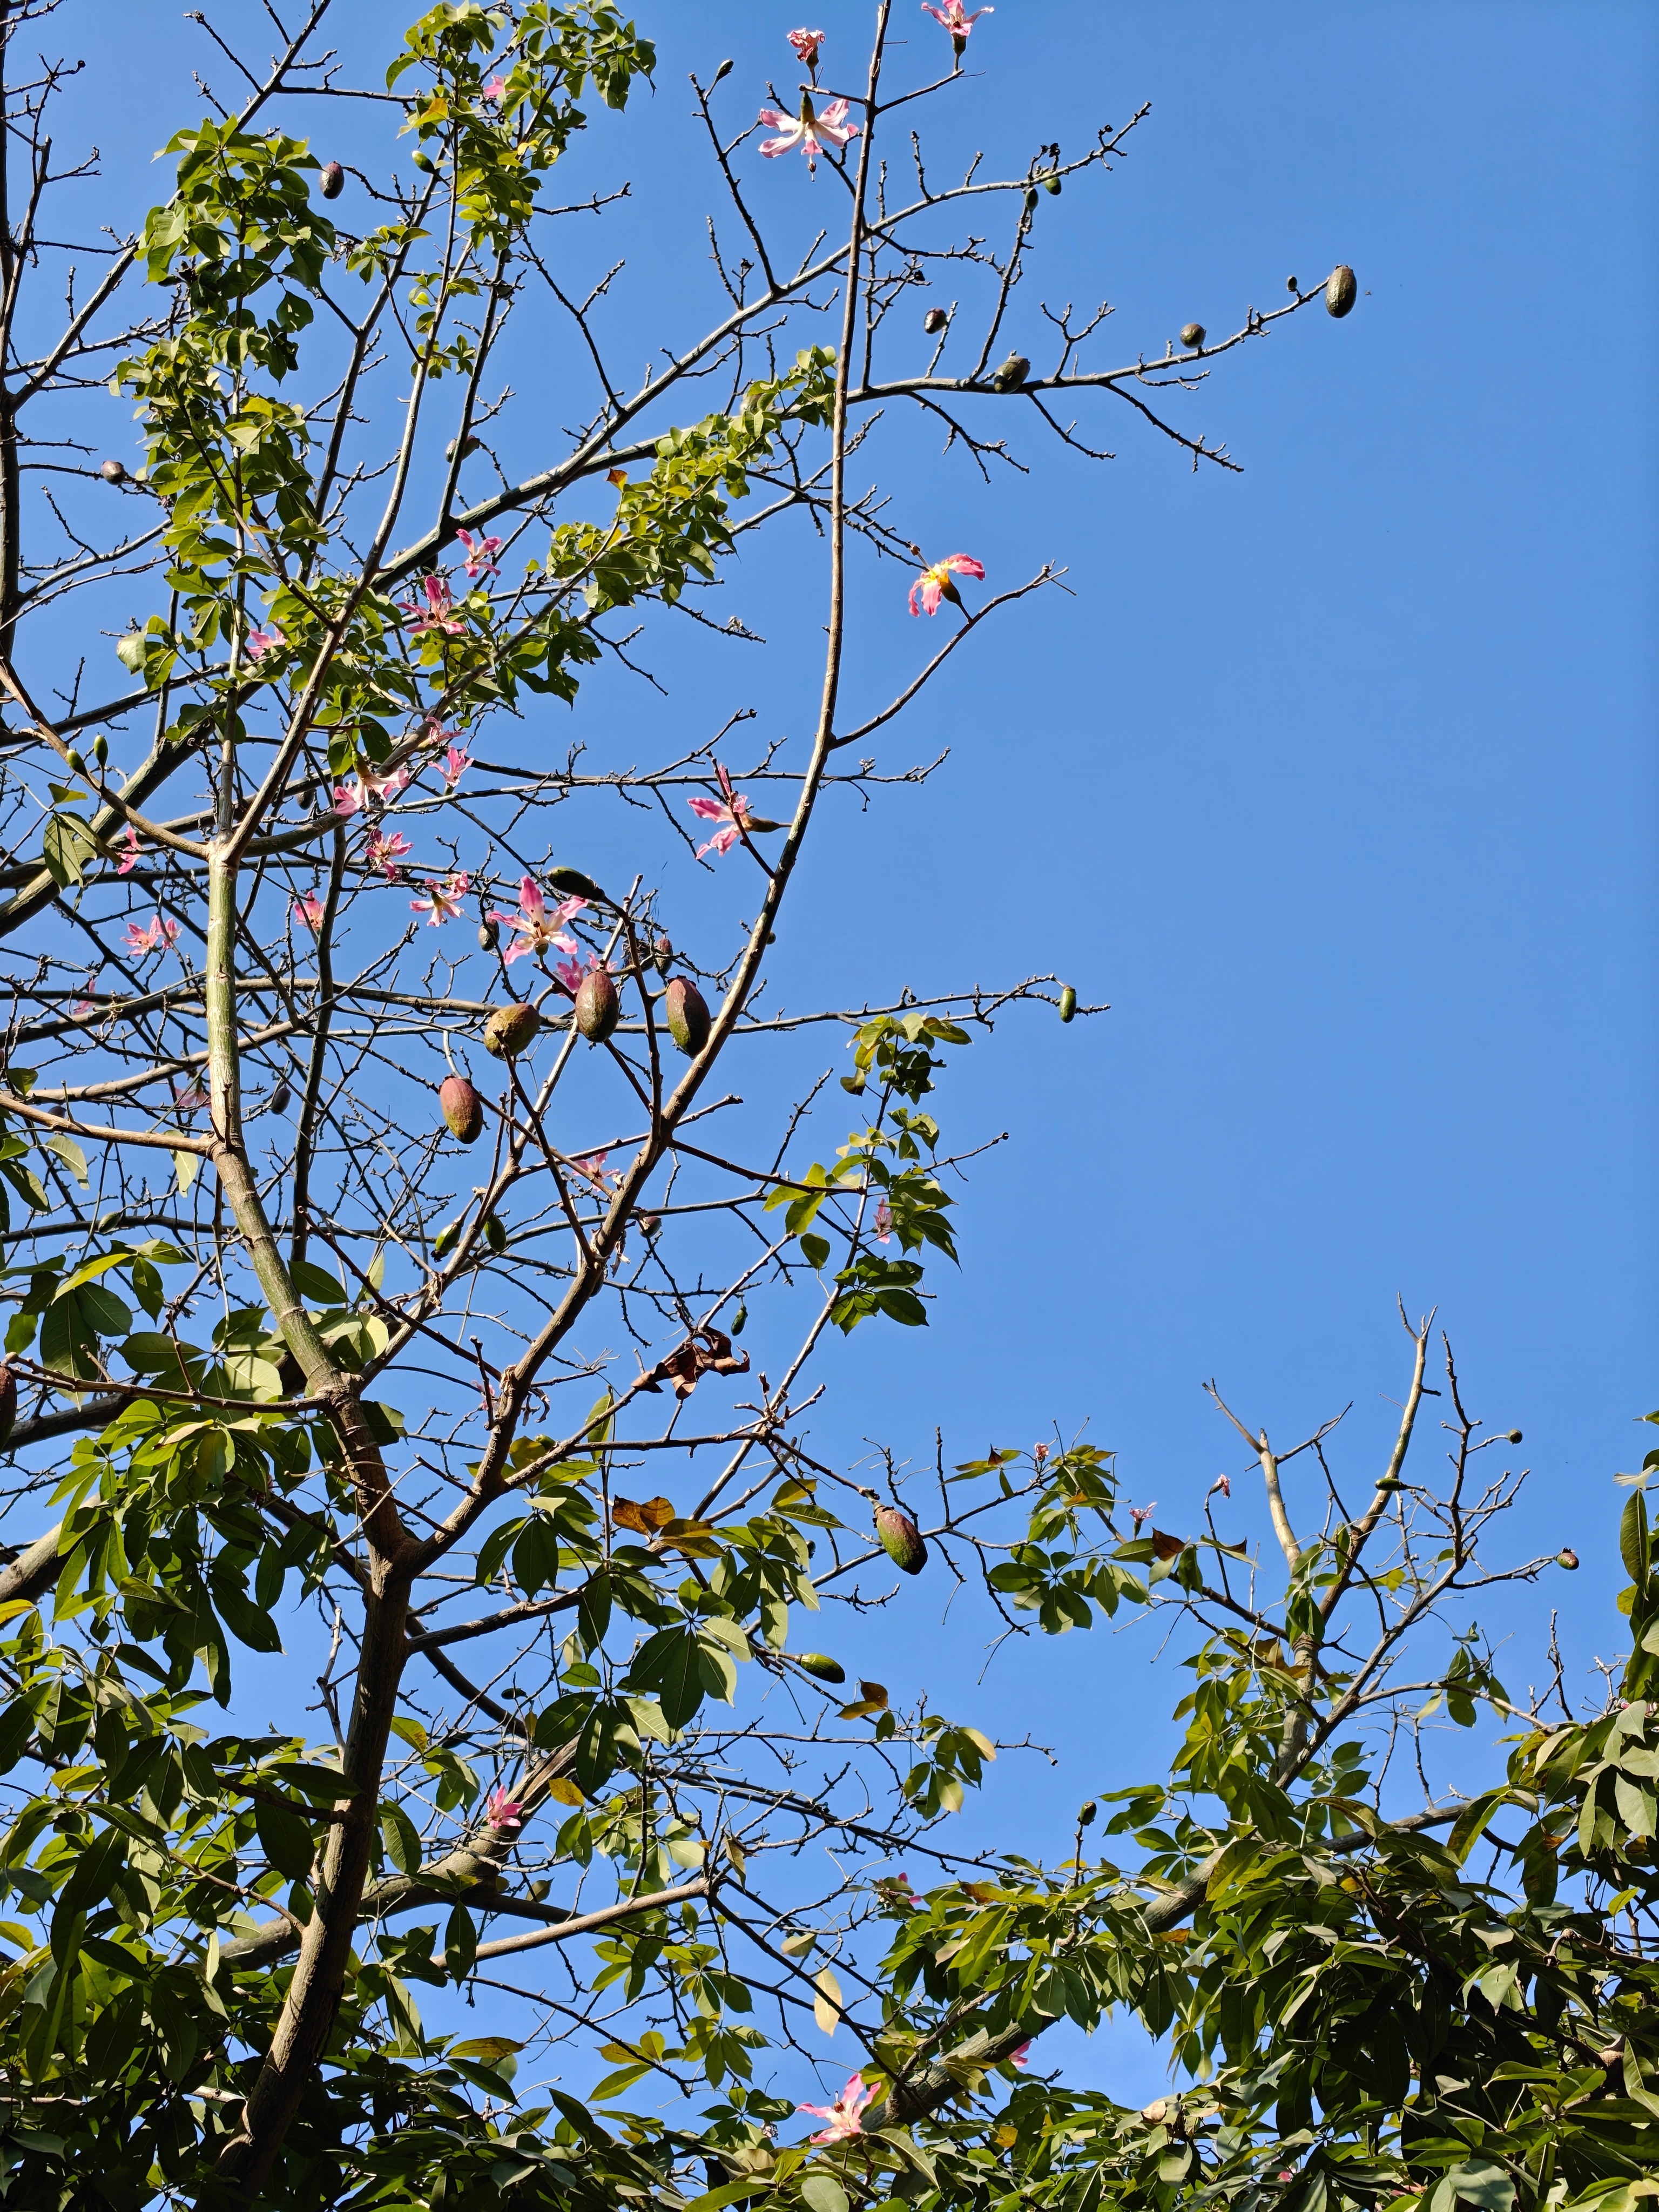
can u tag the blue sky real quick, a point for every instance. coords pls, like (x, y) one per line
(1335, 778)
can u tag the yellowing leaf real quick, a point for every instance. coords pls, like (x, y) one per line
(563, 1791)
(644, 1520)
(826, 2007)
(185, 1165)
(796, 1947)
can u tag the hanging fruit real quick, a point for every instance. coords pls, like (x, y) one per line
(599, 1009)
(334, 181)
(687, 1016)
(1341, 289)
(1067, 1003)
(934, 321)
(462, 1109)
(901, 1540)
(511, 1030)
(1191, 336)
(820, 1666)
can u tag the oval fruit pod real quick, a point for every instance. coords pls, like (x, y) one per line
(511, 1030)
(934, 321)
(1192, 335)
(1341, 289)
(686, 1014)
(1067, 1003)
(820, 1666)
(901, 1540)
(462, 1109)
(599, 1009)
(334, 181)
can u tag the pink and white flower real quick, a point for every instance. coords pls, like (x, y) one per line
(502, 1811)
(84, 1007)
(262, 641)
(310, 910)
(1019, 2057)
(443, 901)
(1140, 1513)
(439, 612)
(480, 554)
(593, 1166)
(735, 815)
(348, 798)
(540, 928)
(384, 788)
(384, 853)
(494, 92)
(453, 766)
(155, 936)
(1224, 1483)
(952, 17)
(843, 2114)
(935, 584)
(884, 1223)
(129, 858)
(808, 131)
(806, 44)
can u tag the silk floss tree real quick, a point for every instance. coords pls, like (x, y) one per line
(352, 1122)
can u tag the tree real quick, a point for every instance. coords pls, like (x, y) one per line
(312, 1374)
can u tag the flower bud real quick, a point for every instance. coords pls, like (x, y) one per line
(686, 1014)
(100, 749)
(1086, 1815)
(489, 935)
(724, 70)
(821, 1668)
(1514, 1436)
(571, 882)
(334, 181)
(1566, 1559)
(1291, 284)
(8, 1403)
(511, 1030)
(114, 472)
(1067, 1003)
(1341, 289)
(1191, 336)
(462, 1109)
(599, 1009)
(934, 321)
(901, 1540)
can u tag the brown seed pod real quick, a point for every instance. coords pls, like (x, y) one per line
(510, 1031)
(901, 1540)
(8, 1403)
(686, 1014)
(113, 473)
(334, 181)
(934, 321)
(1192, 335)
(599, 1009)
(1566, 1559)
(820, 1666)
(1341, 289)
(462, 1109)
(489, 935)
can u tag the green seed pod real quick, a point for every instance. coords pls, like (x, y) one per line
(445, 1241)
(724, 70)
(100, 749)
(421, 159)
(489, 935)
(820, 1666)
(1514, 1436)
(1191, 336)
(573, 884)
(1030, 198)
(334, 181)
(687, 1016)
(901, 1540)
(1052, 186)
(462, 1109)
(1086, 1817)
(495, 1235)
(1291, 284)
(8, 1404)
(1341, 289)
(510, 1031)
(1067, 1003)
(599, 1009)
(739, 1320)
(1012, 372)
(1567, 1558)
(113, 473)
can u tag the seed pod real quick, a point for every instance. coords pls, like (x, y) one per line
(901, 1540)
(510, 1031)
(445, 1240)
(1051, 185)
(1514, 1436)
(663, 952)
(934, 321)
(334, 181)
(574, 885)
(820, 1666)
(1192, 335)
(1087, 1815)
(462, 1109)
(279, 1098)
(495, 1235)
(113, 473)
(740, 1319)
(724, 70)
(1030, 198)
(1067, 1003)
(687, 1016)
(1341, 289)
(489, 935)
(8, 1403)
(599, 1009)
(1291, 284)
(100, 749)
(1012, 372)
(1567, 1559)
(467, 447)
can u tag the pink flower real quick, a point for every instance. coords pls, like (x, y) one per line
(453, 766)
(480, 556)
(1140, 1513)
(1017, 2058)
(502, 1811)
(843, 2114)
(84, 1007)
(348, 798)
(935, 584)
(592, 1165)
(443, 901)
(309, 910)
(129, 861)
(494, 92)
(541, 929)
(734, 814)
(1039, 1453)
(807, 130)
(190, 1097)
(154, 937)
(951, 18)
(1224, 1484)
(440, 610)
(384, 853)
(262, 641)
(386, 787)
(806, 44)
(884, 1222)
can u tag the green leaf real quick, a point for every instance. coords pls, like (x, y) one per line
(66, 1149)
(284, 1838)
(316, 1285)
(403, 1841)
(822, 2192)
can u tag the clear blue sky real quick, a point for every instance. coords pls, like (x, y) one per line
(1335, 778)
